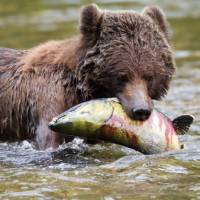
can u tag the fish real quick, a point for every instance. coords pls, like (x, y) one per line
(105, 119)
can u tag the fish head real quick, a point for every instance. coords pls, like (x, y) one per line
(88, 115)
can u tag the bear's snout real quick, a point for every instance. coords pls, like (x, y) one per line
(135, 100)
(141, 114)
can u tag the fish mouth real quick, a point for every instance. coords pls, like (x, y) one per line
(53, 123)
(51, 126)
(56, 122)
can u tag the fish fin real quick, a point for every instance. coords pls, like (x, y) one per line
(182, 123)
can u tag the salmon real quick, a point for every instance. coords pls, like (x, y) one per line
(105, 119)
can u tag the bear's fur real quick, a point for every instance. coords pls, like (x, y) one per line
(124, 54)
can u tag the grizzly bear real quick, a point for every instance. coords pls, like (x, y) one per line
(117, 54)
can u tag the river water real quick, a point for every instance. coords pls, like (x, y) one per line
(107, 171)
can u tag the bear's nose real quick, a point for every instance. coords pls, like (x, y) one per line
(140, 114)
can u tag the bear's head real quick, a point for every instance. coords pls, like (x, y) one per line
(128, 56)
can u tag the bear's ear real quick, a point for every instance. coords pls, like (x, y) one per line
(158, 16)
(90, 22)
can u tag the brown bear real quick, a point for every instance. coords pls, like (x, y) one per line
(117, 54)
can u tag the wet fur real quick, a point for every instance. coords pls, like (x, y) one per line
(113, 49)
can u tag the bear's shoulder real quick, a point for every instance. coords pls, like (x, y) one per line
(52, 53)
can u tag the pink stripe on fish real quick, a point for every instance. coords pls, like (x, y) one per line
(128, 129)
(169, 130)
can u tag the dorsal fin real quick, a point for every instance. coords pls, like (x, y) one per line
(182, 123)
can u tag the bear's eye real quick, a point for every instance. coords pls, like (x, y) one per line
(156, 97)
(148, 78)
(122, 79)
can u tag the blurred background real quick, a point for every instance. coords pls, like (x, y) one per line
(25, 23)
(106, 172)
